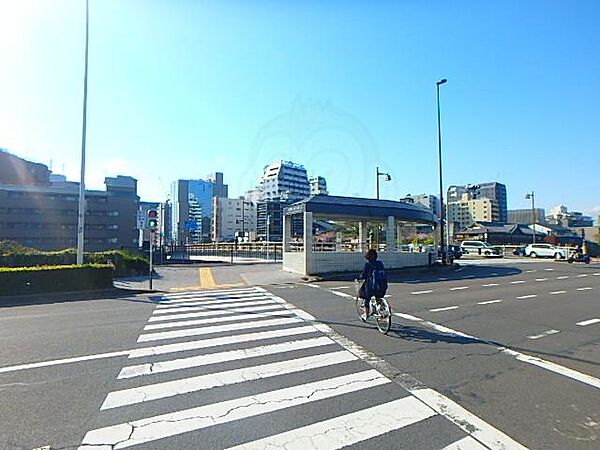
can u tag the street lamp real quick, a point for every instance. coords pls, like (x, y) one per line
(387, 177)
(442, 211)
(81, 206)
(531, 196)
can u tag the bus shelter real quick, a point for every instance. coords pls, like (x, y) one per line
(377, 224)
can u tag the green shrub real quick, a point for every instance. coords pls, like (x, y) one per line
(64, 278)
(125, 263)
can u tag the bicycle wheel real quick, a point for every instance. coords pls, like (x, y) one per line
(359, 307)
(384, 316)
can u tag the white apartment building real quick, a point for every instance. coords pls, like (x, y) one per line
(318, 186)
(284, 180)
(466, 211)
(429, 201)
(231, 217)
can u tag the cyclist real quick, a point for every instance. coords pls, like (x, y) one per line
(374, 281)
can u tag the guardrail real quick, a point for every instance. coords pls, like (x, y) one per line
(271, 251)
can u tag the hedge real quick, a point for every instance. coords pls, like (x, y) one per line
(42, 279)
(125, 263)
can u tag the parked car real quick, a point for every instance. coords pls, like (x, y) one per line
(545, 251)
(519, 251)
(479, 248)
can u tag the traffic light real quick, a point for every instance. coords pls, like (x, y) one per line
(152, 220)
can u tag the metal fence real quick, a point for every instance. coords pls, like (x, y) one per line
(225, 251)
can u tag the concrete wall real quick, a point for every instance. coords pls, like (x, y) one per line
(324, 262)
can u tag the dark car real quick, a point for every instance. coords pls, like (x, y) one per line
(455, 251)
(519, 251)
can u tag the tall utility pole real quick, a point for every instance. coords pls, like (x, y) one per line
(81, 209)
(442, 210)
(531, 196)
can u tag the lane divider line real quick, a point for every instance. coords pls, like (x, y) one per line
(587, 322)
(544, 334)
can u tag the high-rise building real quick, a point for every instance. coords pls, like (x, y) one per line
(561, 216)
(233, 217)
(39, 209)
(494, 191)
(192, 204)
(269, 220)
(525, 216)
(285, 181)
(429, 201)
(466, 211)
(318, 186)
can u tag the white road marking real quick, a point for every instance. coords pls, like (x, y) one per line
(596, 273)
(217, 329)
(556, 368)
(421, 292)
(547, 365)
(447, 308)
(530, 271)
(583, 275)
(340, 287)
(490, 285)
(557, 292)
(213, 301)
(517, 282)
(564, 277)
(522, 297)
(219, 341)
(466, 443)
(166, 389)
(584, 289)
(544, 334)
(158, 427)
(213, 312)
(489, 302)
(548, 270)
(408, 317)
(348, 429)
(587, 322)
(541, 279)
(216, 358)
(342, 294)
(57, 362)
(313, 285)
(211, 293)
(168, 309)
(473, 425)
(220, 319)
(459, 288)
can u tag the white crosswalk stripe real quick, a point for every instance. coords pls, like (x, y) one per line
(259, 336)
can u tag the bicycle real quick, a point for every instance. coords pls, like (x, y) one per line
(380, 310)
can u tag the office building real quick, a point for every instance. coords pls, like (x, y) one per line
(269, 220)
(431, 202)
(284, 181)
(494, 191)
(233, 218)
(39, 209)
(192, 205)
(561, 216)
(467, 211)
(318, 186)
(525, 216)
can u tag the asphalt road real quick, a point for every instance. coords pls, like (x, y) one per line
(500, 354)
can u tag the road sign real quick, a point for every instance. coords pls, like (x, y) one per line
(141, 220)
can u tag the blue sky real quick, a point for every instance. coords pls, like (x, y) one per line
(179, 89)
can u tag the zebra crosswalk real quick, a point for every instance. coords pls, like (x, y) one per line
(243, 369)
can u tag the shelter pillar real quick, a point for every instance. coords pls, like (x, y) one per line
(390, 234)
(362, 236)
(287, 232)
(308, 232)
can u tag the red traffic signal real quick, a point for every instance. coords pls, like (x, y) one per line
(152, 214)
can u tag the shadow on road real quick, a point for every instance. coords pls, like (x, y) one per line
(64, 297)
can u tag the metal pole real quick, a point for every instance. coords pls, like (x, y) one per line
(162, 231)
(442, 210)
(150, 266)
(377, 183)
(243, 217)
(268, 223)
(81, 209)
(533, 213)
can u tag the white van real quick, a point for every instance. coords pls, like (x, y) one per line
(479, 248)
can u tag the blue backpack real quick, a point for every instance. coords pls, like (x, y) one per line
(378, 283)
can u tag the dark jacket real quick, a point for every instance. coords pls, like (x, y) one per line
(367, 272)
